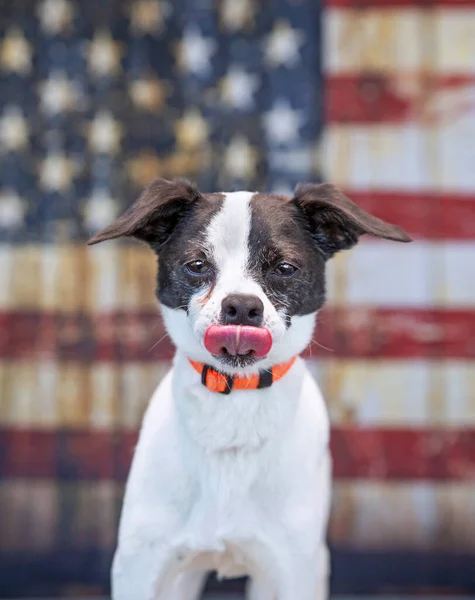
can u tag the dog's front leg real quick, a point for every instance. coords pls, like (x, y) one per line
(303, 576)
(139, 570)
(187, 586)
(260, 588)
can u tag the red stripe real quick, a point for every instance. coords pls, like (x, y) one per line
(382, 333)
(369, 98)
(399, 3)
(424, 215)
(428, 454)
(396, 333)
(379, 454)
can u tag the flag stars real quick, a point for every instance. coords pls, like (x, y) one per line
(240, 159)
(104, 133)
(13, 129)
(12, 209)
(55, 16)
(56, 172)
(282, 123)
(15, 52)
(195, 52)
(104, 55)
(58, 94)
(144, 167)
(148, 16)
(100, 209)
(191, 130)
(282, 46)
(148, 93)
(235, 15)
(238, 88)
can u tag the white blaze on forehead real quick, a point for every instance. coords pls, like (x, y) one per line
(227, 241)
(228, 234)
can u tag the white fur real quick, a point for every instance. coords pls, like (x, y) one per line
(239, 484)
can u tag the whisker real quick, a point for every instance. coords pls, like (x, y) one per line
(182, 306)
(160, 340)
(314, 341)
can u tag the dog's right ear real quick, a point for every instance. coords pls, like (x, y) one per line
(153, 217)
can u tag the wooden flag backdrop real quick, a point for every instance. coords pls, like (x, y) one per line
(99, 97)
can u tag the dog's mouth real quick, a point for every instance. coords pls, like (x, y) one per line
(238, 345)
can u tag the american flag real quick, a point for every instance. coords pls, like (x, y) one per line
(97, 98)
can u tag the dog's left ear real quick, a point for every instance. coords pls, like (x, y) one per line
(336, 222)
(153, 217)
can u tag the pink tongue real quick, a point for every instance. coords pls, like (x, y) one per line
(237, 339)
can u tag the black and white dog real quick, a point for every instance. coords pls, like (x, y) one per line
(232, 471)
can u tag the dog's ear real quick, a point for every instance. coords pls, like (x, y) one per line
(154, 215)
(336, 222)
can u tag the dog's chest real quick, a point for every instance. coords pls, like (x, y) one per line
(242, 421)
(232, 447)
(228, 515)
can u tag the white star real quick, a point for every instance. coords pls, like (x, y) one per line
(282, 123)
(240, 158)
(148, 16)
(196, 51)
(104, 54)
(236, 13)
(149, 93)
(191, 130)
(13, 129)
(55, 15)
(100, 210)
(56, 172)
(58, 94)
(12, 209)
(104, 133)
(239, 88)
(15, 52)
(283, 44)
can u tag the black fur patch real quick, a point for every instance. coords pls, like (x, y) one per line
(186, 243)
(280, 233)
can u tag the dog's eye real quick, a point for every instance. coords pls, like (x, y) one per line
(197, 267)
(284, 269)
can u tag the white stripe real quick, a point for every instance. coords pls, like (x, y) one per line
(455, 41)
(104, 278)
(358, 40)
(399, 393)
(35, 509)
(396, 40)
(6, 265)
(407, 157)
(365, 515)
(419, 274)
(371, 515)
(363, 392)
(48, 395)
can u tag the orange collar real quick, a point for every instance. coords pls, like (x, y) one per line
(219, 382)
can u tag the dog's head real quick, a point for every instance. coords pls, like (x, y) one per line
(242, 275)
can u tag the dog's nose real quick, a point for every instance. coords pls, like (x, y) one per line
(242, 309)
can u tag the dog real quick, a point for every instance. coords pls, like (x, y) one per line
(232, 471)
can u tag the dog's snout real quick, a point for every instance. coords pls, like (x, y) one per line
(242, 309)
